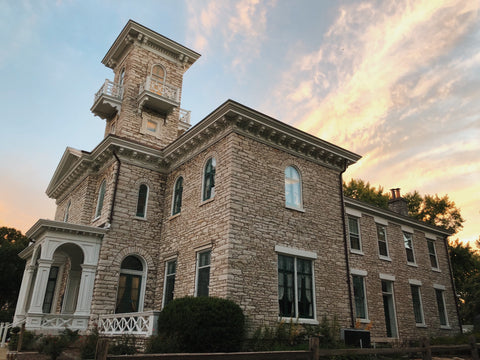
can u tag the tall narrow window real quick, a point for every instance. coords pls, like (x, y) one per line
(157, 83)
(203, 273)
(432, 254)
(293, 188)
(177, 196)
(50, 291)
(354, 233)
(142, 201)
(170, 271)
(359, 296)
(158, 73)
(67, 211)
(389, 308)
(101, 196)
(442, 311)
(417, 304)
(382, 241)
(407, 239)
(129, 296)
(209, 179)
(122, 77)
(295, 287)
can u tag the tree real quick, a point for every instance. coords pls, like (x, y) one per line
(434, 210)
(466, 273)
(12, 242)
(361, 190)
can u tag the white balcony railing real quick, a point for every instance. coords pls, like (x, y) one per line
(109, 88)
(130, 323)
(185, 116)
(160, 88)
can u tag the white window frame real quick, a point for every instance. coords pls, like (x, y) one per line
(212, 188)
(294, 206)
(198, 267)
(305, 255)
(442, 289)
(381, 256)
(173, 195)
(432, 241)
(391, 281)
(357, 220)
(418, 286)
(405, 240)
(362, 275)
(143, 274)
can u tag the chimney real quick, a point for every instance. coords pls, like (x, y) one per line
(397, 203)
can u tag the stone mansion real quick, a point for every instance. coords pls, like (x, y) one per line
(240, 206)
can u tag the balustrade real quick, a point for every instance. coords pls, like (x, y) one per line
(129, 323)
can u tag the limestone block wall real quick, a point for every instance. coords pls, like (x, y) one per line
(138, 63)
(397, 267)
(130, 235)
(260, 221)
(199, 226)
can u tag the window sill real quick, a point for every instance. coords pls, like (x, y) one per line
(436, 270)
(140, 218)
(299, 209)
(299, 320)
(421, 325)
(445, 327)
(358, 252)
(412, 264)
(386, 258)
(203, 202)
(174, 216)
(96, 218)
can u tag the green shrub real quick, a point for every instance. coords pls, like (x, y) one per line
(28, 342)
(88, 345)
(53, 345)
(202, 324)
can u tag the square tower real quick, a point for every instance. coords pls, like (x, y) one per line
(143, 101)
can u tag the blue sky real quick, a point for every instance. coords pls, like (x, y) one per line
(398, 82)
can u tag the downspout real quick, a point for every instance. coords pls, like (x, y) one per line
(117, 175)
(345, 245)
(453, 283)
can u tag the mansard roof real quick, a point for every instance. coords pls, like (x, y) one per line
(229, 117)
(134, 31)
(395, 217)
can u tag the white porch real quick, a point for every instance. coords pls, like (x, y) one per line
(57, 285)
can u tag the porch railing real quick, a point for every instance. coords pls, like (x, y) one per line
(144, 323)
(111, 89)
(160, 88)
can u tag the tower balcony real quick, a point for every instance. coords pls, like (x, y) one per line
(158, 96)
(108, 100)
(184, 120)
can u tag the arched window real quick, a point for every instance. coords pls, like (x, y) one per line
(130, 286)
(142, 201)
(158, 73)
(177, 196)
(101, 196)
(293, 188)
(67, 211)
(209, 179)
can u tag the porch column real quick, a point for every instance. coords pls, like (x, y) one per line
(38, 296)
(85, 291)
(25, 289)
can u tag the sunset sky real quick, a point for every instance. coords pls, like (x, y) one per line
(397, 82)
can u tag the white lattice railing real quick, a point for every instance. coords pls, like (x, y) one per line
(130, 323)
(160, 88)
(59, 321)
(185, 116)
(111, 89)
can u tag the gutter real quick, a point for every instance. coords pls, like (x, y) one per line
(117, 175)
(345, 244)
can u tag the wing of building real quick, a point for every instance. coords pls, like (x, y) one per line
(240, 206)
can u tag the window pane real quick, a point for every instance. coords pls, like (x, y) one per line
(50, 291)
(152, 126)
(142, 200)
(132, 263)
(203, 279)
(209, 179)
(305, 288)
(177, 197)
(417, 304)
(101, 196)
(292, 187)
(382, 240)
(407, 238)
(170, 281)
(286, 296)
(441, 307)
(354, 233)
(432, 254)
(128, 293)
(359, 295)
